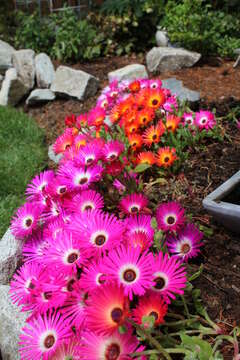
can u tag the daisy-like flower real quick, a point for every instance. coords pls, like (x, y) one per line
(170, 216)
(57, 188)
(80, 141)
(145, 116)
(188, 119)
(153, 134)
(205, 120)
(166, 156)
(81, 121)
(107, 309)
(155, 83)
(25, 220)
(155, 98)
(172, 122)
(135, 86)
(135, 141)
(38, 184)
(131, 128)
(96, 116)
(25, 281)
(170, 104)
(88, 155)
(64, 253)
(146, 157)
(74, 307)
(98, 232)
(42, 335)
(63, 142)
(92, 276)
(139, 239)
(70, 120)
(112, 150)
(131, 268)
(79, 178)
(108, 347)
(187, 244)
(87, 200)
(140, 224)
(54, 227)
(151, 304)
(34, 249)
(69, 350)
(169, 276)
(133, 204)
(103, 102)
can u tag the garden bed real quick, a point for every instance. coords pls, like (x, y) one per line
(219, 86)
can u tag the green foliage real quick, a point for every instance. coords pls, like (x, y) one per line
(22, 155)
(194, 25)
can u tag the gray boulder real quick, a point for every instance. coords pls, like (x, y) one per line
(44, 71)
(11, 322)
(162, 38)
(74, 83)
(40, 96)
(23, 61)
(183, 93)
(10, 256)
(6, 52)
(13, 89)
(129, 72)
(52, 156)
(161, 59)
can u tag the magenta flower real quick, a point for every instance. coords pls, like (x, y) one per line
(187, 243)
(133, 204)
(63, 142)
(188, 119)
(69, 350)
(25, 220)
(170, 216)
(93, 276)
(171, 104)
(34, 248)
(140, 223)
(88, 155)
(205, 120)
(42, 335)
(130, 268)
(169, 276)
(38, 184)
(74, 309)
(87, 200)
(112, 150)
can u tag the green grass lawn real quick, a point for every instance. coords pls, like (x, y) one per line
(23, 154)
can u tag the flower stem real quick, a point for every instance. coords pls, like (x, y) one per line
(151, 339)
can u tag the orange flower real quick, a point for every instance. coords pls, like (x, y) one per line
(129, 117)
(141, 97)
(172, 122)
(135, 141)
(134, 86)
(153, 133)
(146, 157)
(115, 114)
(126, 105)
(145, 116)
(155, 98)
(131, 128)
(166, 156)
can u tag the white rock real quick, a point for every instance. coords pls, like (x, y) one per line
(11, 323)
(1, 80)
(74, 83)
(44, 70)
(129, 72)
(52, 156)
(10, 256)
(23, 61)
(161, 59)
(39, 96)
(162, 38)
(12, 89)
(6, 52)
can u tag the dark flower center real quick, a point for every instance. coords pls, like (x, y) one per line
(203, 121)
(166, 159)
(185, 248)
(62, 189)
(28, 222)
(116, 315)
(49, 341)
(31, 286)
(129, 275)
(189, 121)
(100, 240)
(67, 146)
(101, 279)
(72, 258)
(47, 295)
(171, 220)
(88, 207)
(134, 209)
(112, 157)
(83, 181)
(169, 127)
(89, 161)
(159, 283)
(134, 144)
(144, 120)
(154, 137)
(70, 285)
(112, 352)
(155, 102)
(154, 314)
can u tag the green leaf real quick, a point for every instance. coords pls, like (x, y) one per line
(141, 167)
(201, 348)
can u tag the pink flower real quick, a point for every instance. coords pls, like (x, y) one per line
(38, 184)
(93, 276)
(170, 216)
(25, 220)
(205, 120)
(133, 204)
(87, 200)
(112, 150)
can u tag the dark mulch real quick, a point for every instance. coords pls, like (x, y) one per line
(219, 85)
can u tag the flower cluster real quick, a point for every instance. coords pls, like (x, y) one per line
(149, 116)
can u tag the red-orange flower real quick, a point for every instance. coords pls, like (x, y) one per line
(115, 114)
(155, 98)
(131, 128)
(145, 116)
(135, 86)
(135, 141)
(126, 105)
(146, 157)
(166, 156)
(172, 122)
(153, 133)
(129, 117)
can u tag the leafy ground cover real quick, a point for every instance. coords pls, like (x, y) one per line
(22, 154)
(205, 170)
